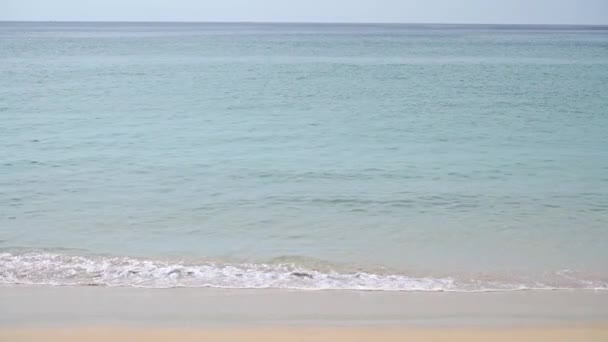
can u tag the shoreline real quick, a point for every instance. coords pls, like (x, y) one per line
(70, 314)
(37, 267)
(62, 306)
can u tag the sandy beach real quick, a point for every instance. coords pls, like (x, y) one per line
(283, 334)
(127, 314)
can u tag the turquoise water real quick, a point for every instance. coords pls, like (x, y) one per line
(382, 157)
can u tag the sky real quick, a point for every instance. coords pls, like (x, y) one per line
(584, 12)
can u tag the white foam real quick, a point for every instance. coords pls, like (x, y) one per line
(38, 268)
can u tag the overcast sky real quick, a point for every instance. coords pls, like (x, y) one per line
(398, 11)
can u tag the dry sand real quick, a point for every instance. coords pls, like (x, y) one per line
(307, 334)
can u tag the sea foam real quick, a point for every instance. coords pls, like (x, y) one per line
(42, 268)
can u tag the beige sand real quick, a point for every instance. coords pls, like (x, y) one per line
(597, 333)
(65, 307)
(121, 314)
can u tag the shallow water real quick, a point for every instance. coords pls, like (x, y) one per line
(457, 155)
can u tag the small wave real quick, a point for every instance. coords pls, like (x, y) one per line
(41, 268)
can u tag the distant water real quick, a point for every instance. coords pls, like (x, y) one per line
(377, 157)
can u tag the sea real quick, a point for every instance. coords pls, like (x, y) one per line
(374, 157)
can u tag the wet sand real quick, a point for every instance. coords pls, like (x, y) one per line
(126, 314)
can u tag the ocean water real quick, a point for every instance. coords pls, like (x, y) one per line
(304, 156)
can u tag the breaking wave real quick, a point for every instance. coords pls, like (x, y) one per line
(41, 268)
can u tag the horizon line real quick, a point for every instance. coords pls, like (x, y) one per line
(293, 22)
